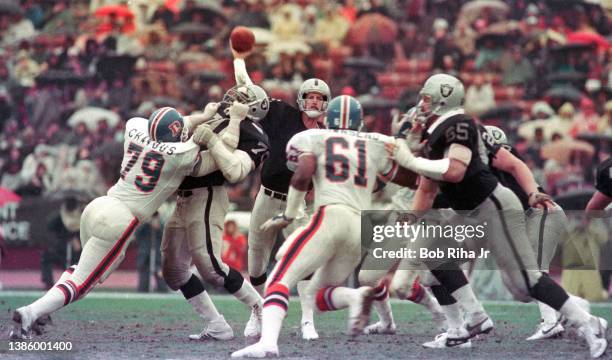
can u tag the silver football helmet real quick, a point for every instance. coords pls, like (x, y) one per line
(317, 86)
(440, 94)
(251, 95)
(498, 135)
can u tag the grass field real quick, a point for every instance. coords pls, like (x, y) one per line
(132, 326)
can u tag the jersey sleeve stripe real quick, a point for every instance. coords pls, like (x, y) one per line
(389, 174)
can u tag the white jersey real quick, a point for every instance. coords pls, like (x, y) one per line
(151, 171)
(348, 164)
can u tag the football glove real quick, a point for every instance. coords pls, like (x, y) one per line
(277, 222)
(205, 136)
(537, 198)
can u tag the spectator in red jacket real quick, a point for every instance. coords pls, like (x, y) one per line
(234, 246)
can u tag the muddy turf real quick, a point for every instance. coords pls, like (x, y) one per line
(133, 326)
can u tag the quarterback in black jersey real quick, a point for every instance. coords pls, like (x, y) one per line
(194, 232)
(603, 184)
(452, 163)
(281, 123)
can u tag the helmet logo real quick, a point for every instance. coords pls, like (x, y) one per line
(446, 90)
(176, 128)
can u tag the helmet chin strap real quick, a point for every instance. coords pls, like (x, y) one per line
(313, 114)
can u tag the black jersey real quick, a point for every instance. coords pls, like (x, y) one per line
(281, 123)
(603, 179)
(478, 182)
(253, 141)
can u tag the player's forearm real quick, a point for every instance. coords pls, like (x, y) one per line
(231, 136)
(206, 165)
(504, 160)
(192, 121)
(295, 199)
(240, 73)
(425, 195)
(599, 201)
(235, 165)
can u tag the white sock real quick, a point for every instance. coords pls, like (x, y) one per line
(273, 313)
(249, 296)
(53, 300)
(574, 313)
(203, 305)
(465, 296)
(383, 309)
(341, 296)
(306, 300)
(548, 314)
(453, 315)
(430, 302)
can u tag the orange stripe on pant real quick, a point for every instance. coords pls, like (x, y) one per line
(299, 243)
(108, 260)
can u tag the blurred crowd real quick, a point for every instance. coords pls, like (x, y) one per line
(72, 73)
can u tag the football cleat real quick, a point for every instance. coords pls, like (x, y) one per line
(308, 331)
(22, 324)
(478, 323)
(359, 310)
(547, 331)
(442, 342)
(380, 328)
(595, 334)
(257, 350)
(253, 326)
(217, 329)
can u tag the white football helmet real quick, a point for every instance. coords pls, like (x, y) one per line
(497, 134)
(440, 94)
(317, 86)
(251, 95)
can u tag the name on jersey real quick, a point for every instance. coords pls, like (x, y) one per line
(144, 138)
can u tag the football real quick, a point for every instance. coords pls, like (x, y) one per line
(242, 39)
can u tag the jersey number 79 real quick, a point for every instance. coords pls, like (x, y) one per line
(337, 165)
(151, 167)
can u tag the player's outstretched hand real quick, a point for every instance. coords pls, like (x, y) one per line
(204, 135)
(277, 222)
(541, 201)
(238, 111)
(211, 109)
(240, 55)
(400, 152)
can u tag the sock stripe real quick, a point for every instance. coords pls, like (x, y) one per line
(328, 299)
(381, 292)
(417, 292)
(64, 289)
(70, 269)
(276, 302)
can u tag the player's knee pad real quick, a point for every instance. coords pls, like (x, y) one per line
(549, 292)
(174, 276)
(233, 281)
(518, 283)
